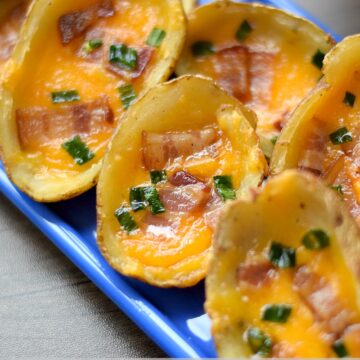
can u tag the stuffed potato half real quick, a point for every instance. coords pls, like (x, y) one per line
(267, 58)
(284, 275)
(58, 110)
(323, 134)
(182, 150)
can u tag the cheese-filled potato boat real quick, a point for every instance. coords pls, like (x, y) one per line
(284, 276)
(188, 147)
(78, 66)
(12, 16)
(323, 135)
(265, 57)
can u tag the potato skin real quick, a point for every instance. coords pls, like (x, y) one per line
(299, 197)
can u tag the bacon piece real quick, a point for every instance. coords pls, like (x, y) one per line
(74, 24)
(181, 178)
(328, 309)
(255, 274)
(282, 349)
(213, 210)
(352, 335)
(144, 55)
(158, 149)
(39, 125)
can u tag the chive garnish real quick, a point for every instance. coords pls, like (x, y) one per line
(338, 188)
(92, 45)
(276, 313)
(340, 349)
(282, 256)
(202, 48)
(341, 136)
(58, 97)
(123, 56)
(349, 99)
(127, 95)
(125, 219)
(259, 342)
(244, 31)
(137, 198)
(157, 176)
(152, 197)
(274, 140)
(156, 37)
(316, 239)
(224, 187)
(318, 59)
(78, 150)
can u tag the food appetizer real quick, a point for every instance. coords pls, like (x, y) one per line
(188, 148)
(265, 57)
(58, 110)
(284, 275)
(12, 16)
(323, 135)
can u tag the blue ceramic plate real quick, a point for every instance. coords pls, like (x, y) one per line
(173, 318)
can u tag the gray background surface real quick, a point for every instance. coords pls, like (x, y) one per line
(48, 308)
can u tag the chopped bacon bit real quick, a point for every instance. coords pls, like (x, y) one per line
(255, 274)
(39, 125)
(96, 54)
(74, 24)
(144, 55)
(328, 309)
(213, 210)
(352, 334)
(184, 198)
(282, 349)
(158, 149)
(181, 178)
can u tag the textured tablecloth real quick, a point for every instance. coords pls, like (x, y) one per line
(48, 308)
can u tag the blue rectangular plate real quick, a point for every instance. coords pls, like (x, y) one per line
(173, 318)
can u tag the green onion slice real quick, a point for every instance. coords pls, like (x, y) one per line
(137, 198)
(224, 186)
(92, 45)
(316, 239)
(123, 56)
(278, 313)
(156, 37)
(340, 349)
(338, 188)
(58, 97)
(152, 197)
(125, 219)
(127, 95)
(349, 99)
(202, 48)
(244, 31)
(78, 150)
(259, 342)
(341, 136)
(318, 59)
(282, 256)
(157, 176)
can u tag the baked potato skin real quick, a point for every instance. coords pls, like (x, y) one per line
(323, 112)
(42, 17)
(289, 205)
(195, 101)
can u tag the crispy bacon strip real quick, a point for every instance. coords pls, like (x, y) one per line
(74, 24)
(39, 125)
(255, 274)
(158, 149)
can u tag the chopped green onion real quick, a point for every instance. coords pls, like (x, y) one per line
(316, 239)
(224, 187)
(274, 140)
(156, 37)
(338, 188)
(157, 176)
(318, 59)
(125, 219)
(282, 256)
(152, 197)
(123, 56)
(349, 99)
(137, 198)
(259, 342)
(202, 48)
(276, 313)
(58, 97)
(92, 45)
(78, 150)
(341, 136)
(340, 349)
(127, 95)
(244, 31)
